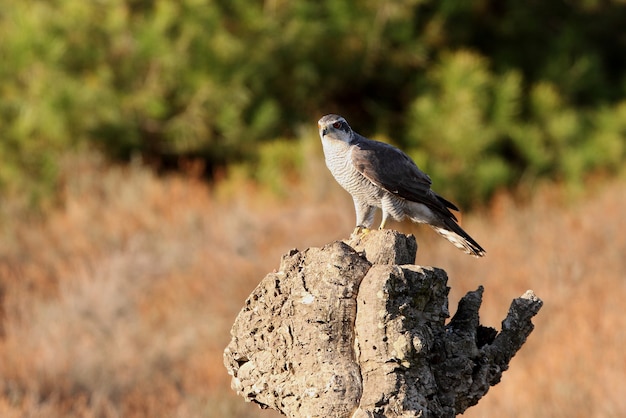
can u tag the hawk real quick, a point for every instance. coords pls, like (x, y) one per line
(379, 175)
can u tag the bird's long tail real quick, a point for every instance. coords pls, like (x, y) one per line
(434, 210)
(453, 232)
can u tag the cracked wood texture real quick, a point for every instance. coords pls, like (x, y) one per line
(354, 329)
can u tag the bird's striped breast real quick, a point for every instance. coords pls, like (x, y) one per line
(339, 162)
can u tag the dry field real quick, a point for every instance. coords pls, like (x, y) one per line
(119, 303)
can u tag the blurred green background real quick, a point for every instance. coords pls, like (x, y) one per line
(483, 95)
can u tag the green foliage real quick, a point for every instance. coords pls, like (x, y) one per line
(470, 132)
(280, 164)
(459, 125)
(482, 94)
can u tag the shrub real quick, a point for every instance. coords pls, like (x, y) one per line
(516, 85)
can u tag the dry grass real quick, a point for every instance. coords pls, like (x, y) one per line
(119, 304)
(574, 259)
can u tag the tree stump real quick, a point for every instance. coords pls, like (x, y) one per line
(354, 329)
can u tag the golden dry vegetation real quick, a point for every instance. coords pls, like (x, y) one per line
(119, 302)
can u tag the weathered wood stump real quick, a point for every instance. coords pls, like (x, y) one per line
(355, 329)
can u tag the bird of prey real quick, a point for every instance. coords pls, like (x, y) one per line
(379, 175)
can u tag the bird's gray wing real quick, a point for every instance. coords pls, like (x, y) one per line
(393, 170)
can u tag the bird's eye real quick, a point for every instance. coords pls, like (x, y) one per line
(337, 125)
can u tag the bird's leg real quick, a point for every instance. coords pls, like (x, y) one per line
(385, 217)
(364, 217)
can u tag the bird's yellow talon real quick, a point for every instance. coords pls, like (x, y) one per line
(360, 230)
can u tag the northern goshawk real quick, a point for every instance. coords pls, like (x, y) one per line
(379, 175)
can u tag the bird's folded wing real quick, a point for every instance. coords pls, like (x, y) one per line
(393, 170)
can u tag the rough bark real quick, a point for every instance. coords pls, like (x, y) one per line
(354, 329)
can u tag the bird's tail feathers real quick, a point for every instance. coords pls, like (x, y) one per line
(459, 238)
(446, 203)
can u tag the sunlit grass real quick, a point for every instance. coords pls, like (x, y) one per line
(119, 303)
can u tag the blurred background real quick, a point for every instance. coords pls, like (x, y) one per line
(158, 157)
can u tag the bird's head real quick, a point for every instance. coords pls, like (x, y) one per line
(335, 127)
